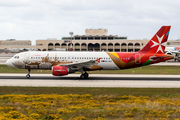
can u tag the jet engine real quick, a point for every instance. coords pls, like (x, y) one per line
(60, 70)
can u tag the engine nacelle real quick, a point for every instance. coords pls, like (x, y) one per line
(60, 70)
(168, 53)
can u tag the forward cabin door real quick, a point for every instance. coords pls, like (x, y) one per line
(27, 61)
(27, 57)
(137, 58)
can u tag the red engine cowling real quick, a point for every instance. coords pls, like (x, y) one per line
(60, 70)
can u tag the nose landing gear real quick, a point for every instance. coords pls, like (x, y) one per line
(28, 75)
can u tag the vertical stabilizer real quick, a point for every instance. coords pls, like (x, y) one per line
(158, 42)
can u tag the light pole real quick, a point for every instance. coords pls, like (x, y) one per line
(71, 33)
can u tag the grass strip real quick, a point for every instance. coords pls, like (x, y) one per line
(150, 92)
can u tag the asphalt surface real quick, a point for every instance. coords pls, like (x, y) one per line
(95, 80)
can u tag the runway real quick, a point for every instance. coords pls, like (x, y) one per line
(94, 80)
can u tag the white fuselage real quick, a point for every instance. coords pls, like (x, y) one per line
(47, 59)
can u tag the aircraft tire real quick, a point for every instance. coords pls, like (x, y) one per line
(86, 75)
(82, 76)
(28, 76)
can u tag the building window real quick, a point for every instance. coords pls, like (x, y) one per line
(77, 38)
(103, 38)
(110, 38)
(84, 38)
(97, 38)
(90, 38)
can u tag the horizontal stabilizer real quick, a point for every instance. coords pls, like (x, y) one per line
(152, 58)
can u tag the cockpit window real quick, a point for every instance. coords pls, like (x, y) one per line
(16, 57)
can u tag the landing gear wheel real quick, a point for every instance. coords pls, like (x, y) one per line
(28, 76)
(82, 76)
(86, 75)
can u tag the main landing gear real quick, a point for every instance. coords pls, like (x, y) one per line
(84, 75)
(28, 75)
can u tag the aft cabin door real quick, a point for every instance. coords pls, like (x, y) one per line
(137, 58)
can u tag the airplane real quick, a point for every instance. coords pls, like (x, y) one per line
(175, 51)
(172, 50)
(64, 62)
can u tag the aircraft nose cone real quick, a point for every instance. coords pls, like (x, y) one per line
(9, 63)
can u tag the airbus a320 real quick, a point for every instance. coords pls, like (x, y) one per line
(64, 63)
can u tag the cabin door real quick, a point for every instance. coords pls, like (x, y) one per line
(137, 58)
(27, 56)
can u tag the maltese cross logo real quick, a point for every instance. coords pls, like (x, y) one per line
(159, 43)
(98, 60)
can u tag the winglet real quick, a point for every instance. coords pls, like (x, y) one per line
(158, 42)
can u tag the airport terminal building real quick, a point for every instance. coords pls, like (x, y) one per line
(93, 40)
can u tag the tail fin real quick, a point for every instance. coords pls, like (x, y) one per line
(158, 42)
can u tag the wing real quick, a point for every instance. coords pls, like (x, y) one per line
(85, 64)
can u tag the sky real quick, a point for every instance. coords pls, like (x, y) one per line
(42, 19)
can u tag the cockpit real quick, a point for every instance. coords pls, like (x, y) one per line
(16, 57)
